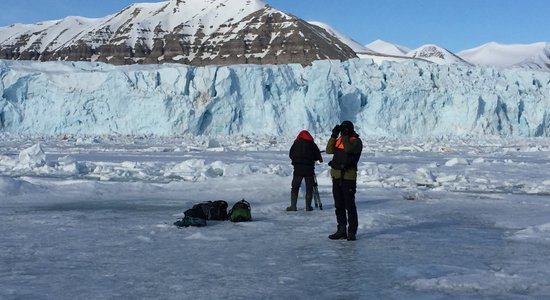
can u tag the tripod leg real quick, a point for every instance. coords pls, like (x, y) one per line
(316, 194)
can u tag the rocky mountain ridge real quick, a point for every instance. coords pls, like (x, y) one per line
(194, 32)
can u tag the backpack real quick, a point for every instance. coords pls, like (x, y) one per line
(217, 210)
(199, 210)
(240, 212)
(194, 216)
(190, 221)
(209, 210)
(199, 213)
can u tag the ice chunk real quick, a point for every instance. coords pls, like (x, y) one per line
(32, 157)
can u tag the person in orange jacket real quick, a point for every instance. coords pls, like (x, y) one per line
(303, 153)
(346, 146)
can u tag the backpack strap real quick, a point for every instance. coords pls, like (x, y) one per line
(245, 203)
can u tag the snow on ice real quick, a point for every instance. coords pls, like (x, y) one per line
(440, 218)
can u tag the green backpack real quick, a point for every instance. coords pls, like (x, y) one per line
(240, 212)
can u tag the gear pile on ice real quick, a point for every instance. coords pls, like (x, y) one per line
(215, 210)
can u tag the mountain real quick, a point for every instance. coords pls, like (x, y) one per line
(365, 51)
(354, 45)
(531, 56)
(538, 61)
(195, 32)
(436, 54)
(387, 48)
(534, 56)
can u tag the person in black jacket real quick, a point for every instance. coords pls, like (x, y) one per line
(346, 146)
(303, 153)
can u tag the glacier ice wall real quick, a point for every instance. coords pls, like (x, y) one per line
(391, 99)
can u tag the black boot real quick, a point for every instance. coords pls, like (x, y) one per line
(351, 235)
(293, 202)
(308, 203)
(340, 234)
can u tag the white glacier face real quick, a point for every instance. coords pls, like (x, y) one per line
(391, 99)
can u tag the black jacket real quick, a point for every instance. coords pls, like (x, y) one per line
(304, 153)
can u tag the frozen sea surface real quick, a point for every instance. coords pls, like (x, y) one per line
(478, 226)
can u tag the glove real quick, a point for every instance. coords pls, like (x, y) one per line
(335, 131)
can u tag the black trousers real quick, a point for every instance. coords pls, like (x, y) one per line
(296, 182)
(343, 192)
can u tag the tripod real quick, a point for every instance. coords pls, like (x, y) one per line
(316, 197)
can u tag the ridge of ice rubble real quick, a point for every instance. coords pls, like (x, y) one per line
(32, 157)
(403, 99)
(462, 167)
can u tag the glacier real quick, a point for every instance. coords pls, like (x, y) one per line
(411, 98)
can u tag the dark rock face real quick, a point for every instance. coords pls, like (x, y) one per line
(276, 38)
(267, 36)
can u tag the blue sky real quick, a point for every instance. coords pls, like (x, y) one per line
(453, 24)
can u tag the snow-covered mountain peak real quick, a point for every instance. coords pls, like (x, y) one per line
(538, 61)
(187, 15)
(535, 55)
(388, 48)
(197, 32)
(436, 54)
(357, 47)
